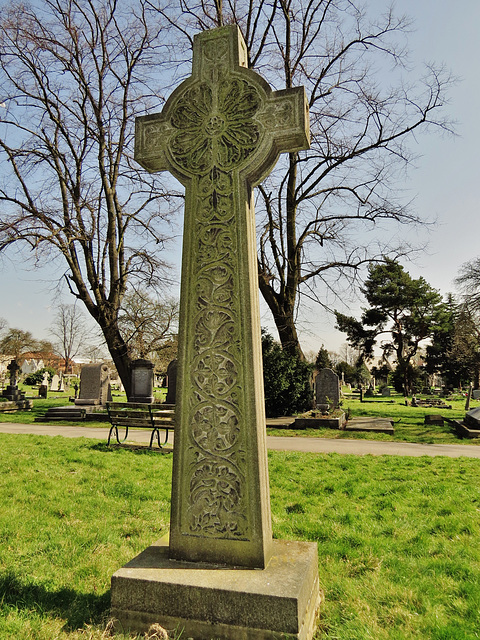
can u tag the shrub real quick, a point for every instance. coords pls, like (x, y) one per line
(286, 380)
(37, 377)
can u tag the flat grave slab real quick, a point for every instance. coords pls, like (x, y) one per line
(376, 425)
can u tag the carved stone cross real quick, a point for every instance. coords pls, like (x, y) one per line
(220, 133)
(14, 369)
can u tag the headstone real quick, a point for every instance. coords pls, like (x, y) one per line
(61, 384)
(469, 396)
(14, 369)
(327, 389)
(434, 420)
(94, 385)
(43, 391)
(472, 419)
(171, 382)
(12, 391)
(142, 381)
(476, 394)
(55, 382)
(221, 574)
(45, 380)
(386, 392)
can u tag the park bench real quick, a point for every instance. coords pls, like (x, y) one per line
(136, 415)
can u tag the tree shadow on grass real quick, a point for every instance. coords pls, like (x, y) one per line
(76, 608)
(138, 449)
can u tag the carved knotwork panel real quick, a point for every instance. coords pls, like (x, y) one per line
(216, 453)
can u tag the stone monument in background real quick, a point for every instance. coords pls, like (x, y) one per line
(220, 575)
(327, 389)
(171, 383)
(12, 392)
(142, 381)
(94, 385)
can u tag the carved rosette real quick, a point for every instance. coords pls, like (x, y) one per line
(214, 126)
(215, 132)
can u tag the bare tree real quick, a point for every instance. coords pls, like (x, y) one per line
(468, 283)
(323, 214)
(149, 325)
(71, 332)
(73, 74)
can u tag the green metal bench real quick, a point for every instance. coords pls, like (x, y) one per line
(136, 415)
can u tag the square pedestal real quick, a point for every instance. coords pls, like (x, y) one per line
(209, 601)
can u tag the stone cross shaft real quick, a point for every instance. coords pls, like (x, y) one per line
(220, 133)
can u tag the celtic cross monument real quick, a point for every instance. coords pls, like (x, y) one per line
(220, 133)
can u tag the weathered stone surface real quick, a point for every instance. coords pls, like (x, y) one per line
(221, 575)
(220, 133)
(142, 381)
(374, 425)
(94, 385)
(328, 423)
(172, 382)
(327, 388)
(205, 601)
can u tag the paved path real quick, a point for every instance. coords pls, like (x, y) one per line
(279, 443)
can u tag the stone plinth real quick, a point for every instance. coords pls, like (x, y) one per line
(13, 394)
(205, 601)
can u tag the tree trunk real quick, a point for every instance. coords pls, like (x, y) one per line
(118, 350)
(283, 315)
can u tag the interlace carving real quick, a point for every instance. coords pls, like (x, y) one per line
(220, 133)
(218, 477)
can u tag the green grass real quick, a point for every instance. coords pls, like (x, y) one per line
(72, 513)
(399, 556)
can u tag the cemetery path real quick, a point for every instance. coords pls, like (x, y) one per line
(278, 443)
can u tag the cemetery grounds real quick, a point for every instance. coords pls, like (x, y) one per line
(397, 537)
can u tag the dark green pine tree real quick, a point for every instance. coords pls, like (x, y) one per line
(323, 360)
(403, 312)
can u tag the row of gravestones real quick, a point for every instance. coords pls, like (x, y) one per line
(95, 383)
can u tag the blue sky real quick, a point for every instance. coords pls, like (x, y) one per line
(445, 179)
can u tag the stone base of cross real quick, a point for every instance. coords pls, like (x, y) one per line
(221, 574)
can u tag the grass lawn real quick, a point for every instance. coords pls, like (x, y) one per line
(399, 556)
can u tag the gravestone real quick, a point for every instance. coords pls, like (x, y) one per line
(220, 574)
(327, 389)
(476, 394)
(43, 389)
(12, 391)
(386, 392)
(94, 385)
(142, 381)
(55, 382)
(171, 382)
